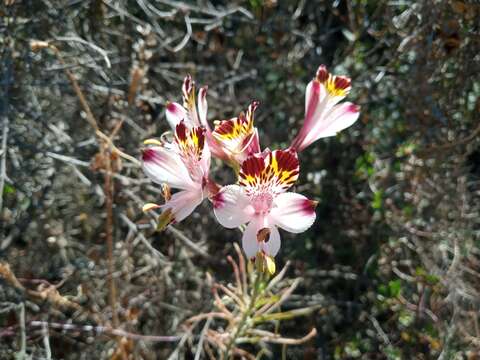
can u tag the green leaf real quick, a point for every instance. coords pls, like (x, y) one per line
(377, 201)
(8, 189)
(285, 315)
(393, 353)
(406, 318)
(394, 288)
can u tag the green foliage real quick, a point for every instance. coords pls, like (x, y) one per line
(8, 189)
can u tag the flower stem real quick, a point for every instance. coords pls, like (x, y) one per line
(245, 315)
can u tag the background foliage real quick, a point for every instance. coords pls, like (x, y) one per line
(393, 258)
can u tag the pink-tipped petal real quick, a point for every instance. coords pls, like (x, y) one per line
(292, 212)
(341, 117)
(271, 246)
(250, 146)
(175, 113)
(188, 90)
(314, 95)
(342, 82)
(322, 74)
(206, 160)
(183, 203)
(254, 145)
(321, 98)
(232, 206)
(216, 148)
(203, 107)
(164, 166)
(338, 118)
(187, 86)
(314, 104)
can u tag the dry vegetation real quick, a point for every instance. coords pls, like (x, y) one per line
(390, 270)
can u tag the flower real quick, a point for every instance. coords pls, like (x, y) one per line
(182, 164)
(238, 137)
(324, 117)
(194, 115)
(261, 201)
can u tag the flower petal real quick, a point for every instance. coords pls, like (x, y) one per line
(338, 85)
(183, 203)
(249, 240)
(166, 167)
(190, 141)
(215, 147)
(238, 136)
(283, 168)
(272, 245)
(232, 207)
(203, 107)
(322, 95)
(188, 90)
(251, 244)
(314, 95)
(175, 113)
(341, 117)
(338, 118)
(254, 145)
(232, 133)
(273, 171)
(205, 160)
(251, 171)
(320, 103)
(292, 212)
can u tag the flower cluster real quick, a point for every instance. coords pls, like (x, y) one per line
(259, 201)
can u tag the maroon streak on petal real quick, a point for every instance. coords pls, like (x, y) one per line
(322, 73)
(211, 186)
(252, 107)
(253, 166)
(312, 101)
(172, 107)
(287, 159)
(308, 206)
(188, 85)
(181, 131)
(342, 82)
(218, 200)
(353, 108)
(148, 154)
(226, 127)
(202, 93)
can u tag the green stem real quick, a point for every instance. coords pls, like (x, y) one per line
(246, 314)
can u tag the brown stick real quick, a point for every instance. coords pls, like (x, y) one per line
(50, 294)
(290, 341)
(107, 148)
(109, 235)
(38, 45)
